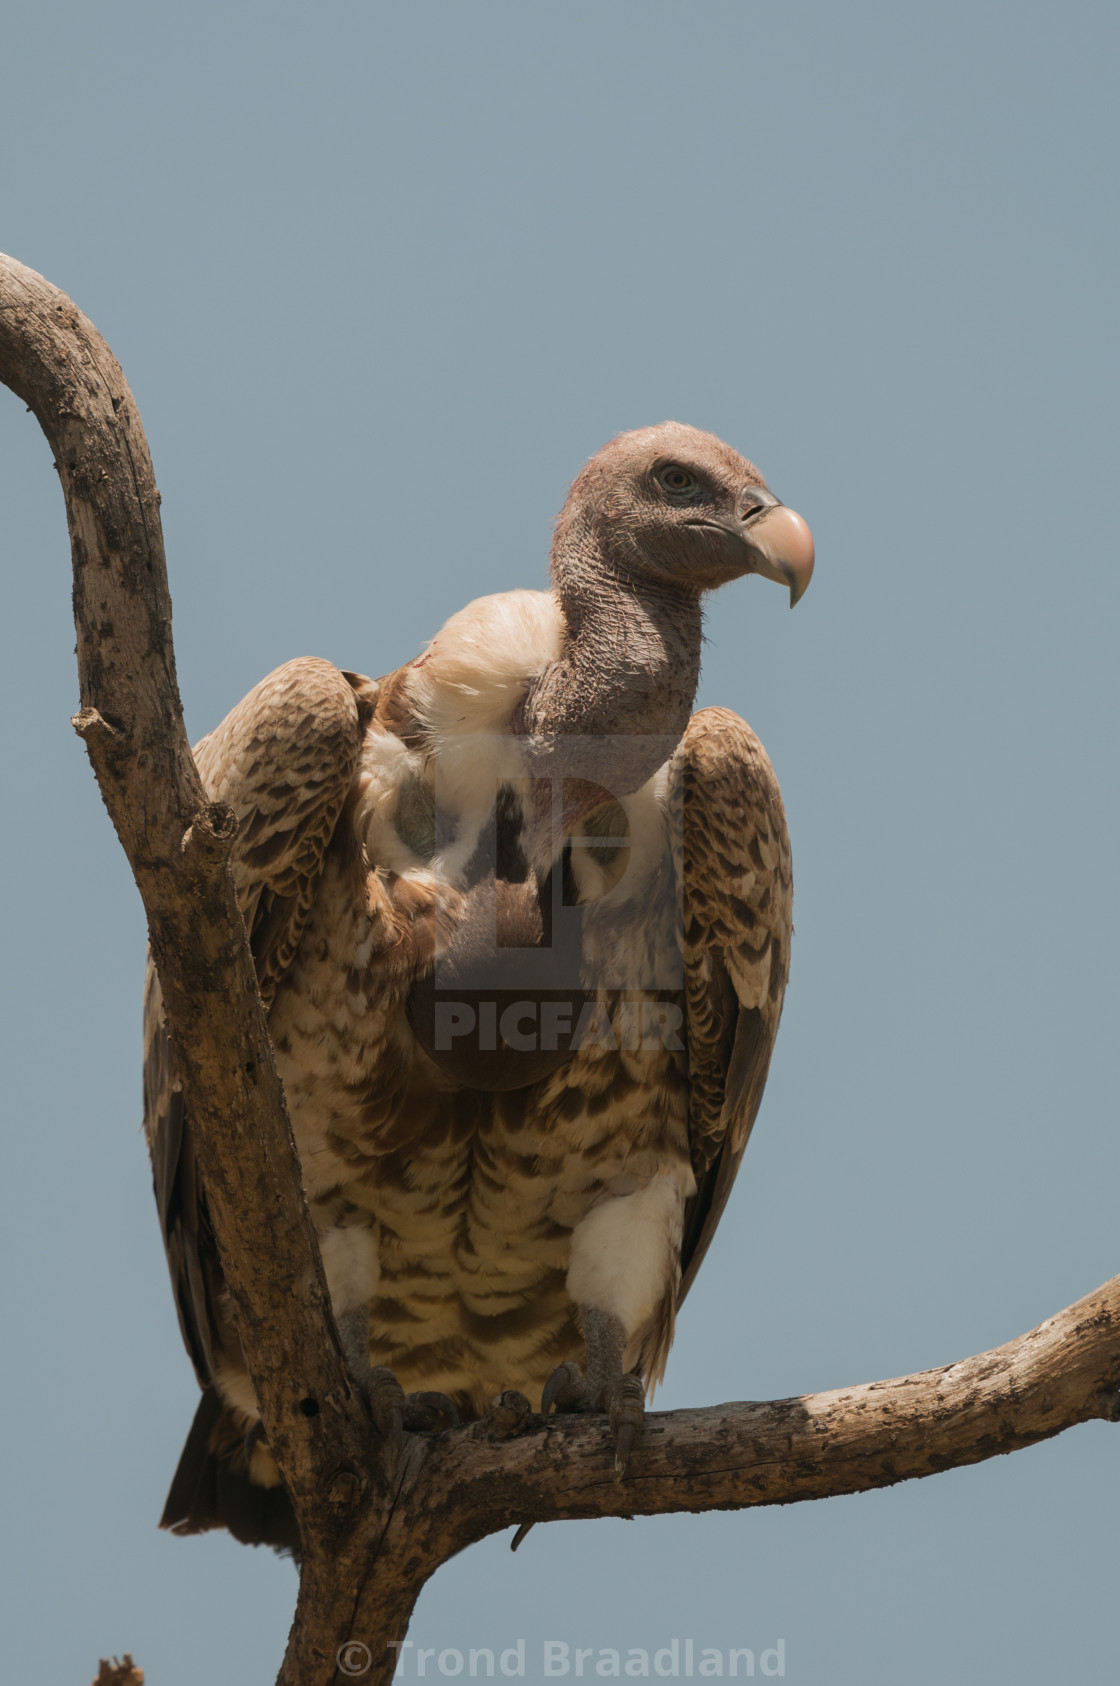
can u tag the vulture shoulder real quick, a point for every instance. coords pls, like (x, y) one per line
(284, 760)
(736, 888)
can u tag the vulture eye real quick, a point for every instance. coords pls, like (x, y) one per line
(677, 482)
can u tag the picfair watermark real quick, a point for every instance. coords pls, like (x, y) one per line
(529, 1026)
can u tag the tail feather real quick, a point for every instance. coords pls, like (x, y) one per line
(212, 1487)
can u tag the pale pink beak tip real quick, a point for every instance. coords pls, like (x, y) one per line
(799, 554)
(782, 538)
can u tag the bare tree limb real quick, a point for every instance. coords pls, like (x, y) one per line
(377, 1521)
(729, 1457)
(177, 844)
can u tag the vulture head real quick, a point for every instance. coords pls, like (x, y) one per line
(658, 517)
(670, 506)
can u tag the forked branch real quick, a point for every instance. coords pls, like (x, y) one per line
(377, 1521)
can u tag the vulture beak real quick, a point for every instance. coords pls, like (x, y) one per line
(779, 540)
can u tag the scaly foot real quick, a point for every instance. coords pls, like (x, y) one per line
(622, 1397)
(394, 1410)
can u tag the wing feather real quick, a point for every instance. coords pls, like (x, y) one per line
(284, 760)
(736, 878)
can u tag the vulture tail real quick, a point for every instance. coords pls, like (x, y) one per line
(212, 1487)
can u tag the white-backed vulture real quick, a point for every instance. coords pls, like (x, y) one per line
(522, 925)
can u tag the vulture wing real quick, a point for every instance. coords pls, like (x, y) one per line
(284, 760)
(736, 882)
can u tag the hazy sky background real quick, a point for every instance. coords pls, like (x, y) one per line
(381, 278)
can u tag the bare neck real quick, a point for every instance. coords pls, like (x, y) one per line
(629, 671)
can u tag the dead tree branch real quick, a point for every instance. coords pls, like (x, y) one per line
(119, 1672)
(377, 1521)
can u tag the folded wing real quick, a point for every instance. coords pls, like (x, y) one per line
(736, 878)
(284, 760)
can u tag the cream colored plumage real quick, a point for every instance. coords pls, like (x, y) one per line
(474, 1232)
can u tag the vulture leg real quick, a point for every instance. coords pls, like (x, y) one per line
(606, 1386)
(623, 1275)
(352, 1268)
(382, 1390)
(622, 1395)
(393, 1410)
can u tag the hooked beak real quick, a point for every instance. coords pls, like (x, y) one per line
(781, 544)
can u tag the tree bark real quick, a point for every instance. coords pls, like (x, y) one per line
(377, 1519)
(119, 1673)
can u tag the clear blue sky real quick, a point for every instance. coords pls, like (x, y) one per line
(381, 278)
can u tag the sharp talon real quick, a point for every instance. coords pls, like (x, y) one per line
(428, 1413)
(520, 1535)
(386, 1401)
(626, 1414)
(566, 1389)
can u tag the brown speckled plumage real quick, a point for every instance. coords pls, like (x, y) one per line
(450, 1210)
